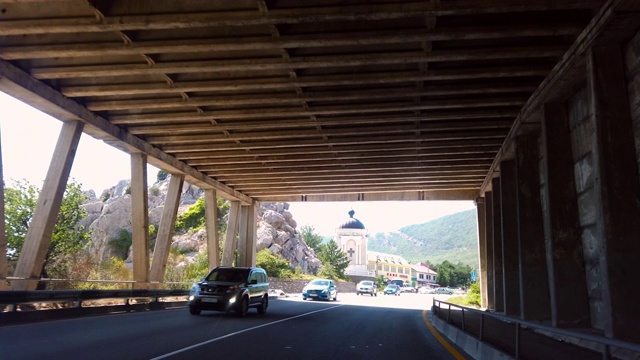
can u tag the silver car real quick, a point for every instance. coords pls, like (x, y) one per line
(367, 287)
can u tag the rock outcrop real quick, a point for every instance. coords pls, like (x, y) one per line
(110, 213)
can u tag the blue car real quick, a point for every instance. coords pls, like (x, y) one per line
(323, 289)
(392, 289)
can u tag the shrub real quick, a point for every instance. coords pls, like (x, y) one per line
(275, 265)
(121, 243)
(154, 191)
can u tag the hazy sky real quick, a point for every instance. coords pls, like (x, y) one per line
(29, 138)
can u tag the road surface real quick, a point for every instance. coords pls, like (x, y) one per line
(354, 327)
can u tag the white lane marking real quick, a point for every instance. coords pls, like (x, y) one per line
(239, 332)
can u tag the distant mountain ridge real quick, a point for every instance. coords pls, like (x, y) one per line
(453, 238)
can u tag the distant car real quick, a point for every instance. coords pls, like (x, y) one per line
(423, 290)
(408, 288)
(367, 287)
(323, 289)
(444, 291)
(392, 289)
(230, 289)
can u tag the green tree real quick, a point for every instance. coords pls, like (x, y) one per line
(121, 243)
(162, 175)
(310, 237)
(67, 239)
(334, 261)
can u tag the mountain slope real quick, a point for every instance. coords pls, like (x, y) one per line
(453, 238)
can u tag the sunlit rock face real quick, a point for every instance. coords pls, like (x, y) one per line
(111, 212)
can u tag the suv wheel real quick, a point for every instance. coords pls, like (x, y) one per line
(243, 307)
(194, 310)
(262, 308)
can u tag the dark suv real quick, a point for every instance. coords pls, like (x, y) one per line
(231, 289)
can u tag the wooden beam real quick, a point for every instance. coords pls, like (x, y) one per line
(270, 83)
(232, 233)
(211, 224)
(38, 238)
(282, 16)
(139, 221)
(4, 262)
(166, 228)
(269, 64)
(18, 84)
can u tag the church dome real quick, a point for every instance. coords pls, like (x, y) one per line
(352, 223)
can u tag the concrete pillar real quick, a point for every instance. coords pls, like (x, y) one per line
(167, 226)
(565, 256)
(617, 188)
(242, 236)
(534, 283)
(482, 251)
(4, 263)
(45, 215)
(211, 223)
(140, 221)
(511, 274)
(488, 211)
(232, 231)
(252, 235)
(498, 271)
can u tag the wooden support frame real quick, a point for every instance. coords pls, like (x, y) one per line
(211, 224)
(232, 232)
(45, 215)
(140, 220)
(167, 225)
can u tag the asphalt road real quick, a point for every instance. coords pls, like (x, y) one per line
(354, 327)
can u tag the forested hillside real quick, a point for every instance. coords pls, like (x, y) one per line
(453, 238)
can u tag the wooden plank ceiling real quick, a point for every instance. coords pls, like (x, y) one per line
(303, 100)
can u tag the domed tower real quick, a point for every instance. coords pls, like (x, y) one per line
(351, 237)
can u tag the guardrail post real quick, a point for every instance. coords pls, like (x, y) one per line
(462, 319)
(517, 341)
(606, 353)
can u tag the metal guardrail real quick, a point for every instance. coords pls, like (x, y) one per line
(519, 325)
(25, 306)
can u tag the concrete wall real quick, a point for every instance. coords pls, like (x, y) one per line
(582, 145)
(632, 69)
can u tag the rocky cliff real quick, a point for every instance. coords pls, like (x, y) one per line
(111, 212)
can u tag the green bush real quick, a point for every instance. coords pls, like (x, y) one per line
(154, 191)
(275, 265)
(121, 243)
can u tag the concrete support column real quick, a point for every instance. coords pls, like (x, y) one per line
(498, 272)
(488, 210)
(242, 236)
(534, 283)
(617, 188)
(511, 275)
(482, 251)
(565, 256)
(140, 221)
(211, 223)
(167, 225)
(252, 234)
(232, 231)
(4, 263)
(45, 215)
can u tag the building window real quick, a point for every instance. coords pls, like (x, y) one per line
(379, 267)
(421, 276)
(393, 269)
(386, 268)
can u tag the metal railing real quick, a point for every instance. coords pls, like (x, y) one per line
(103, 284)
(519, 325)
(24, 306)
